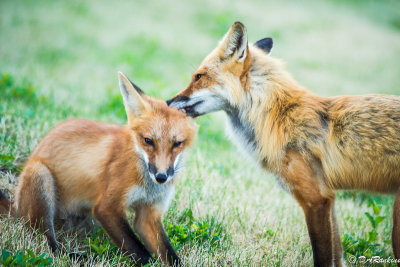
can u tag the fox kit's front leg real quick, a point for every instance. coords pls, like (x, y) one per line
(114, 222)
(150, 228)
(317, 207)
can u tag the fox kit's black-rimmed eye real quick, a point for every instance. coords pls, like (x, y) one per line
(197, 77)
(176, 144)
(148, 141)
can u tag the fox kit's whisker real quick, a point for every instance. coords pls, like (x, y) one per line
(84, 166)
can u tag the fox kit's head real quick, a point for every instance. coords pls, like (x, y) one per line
(223, 76)
(160, 133)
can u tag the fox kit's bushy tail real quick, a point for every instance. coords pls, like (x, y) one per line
(5, 205)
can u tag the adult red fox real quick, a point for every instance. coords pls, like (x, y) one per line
(83, 167)
(315, 145)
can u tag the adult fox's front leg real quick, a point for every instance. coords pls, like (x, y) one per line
(316, 204)
(337, 243)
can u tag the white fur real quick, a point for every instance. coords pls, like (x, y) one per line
(142, 154)
(163, 204)
(150, 193)
(210, 101)
(240, 140)
(135, 194)
(133, 102)
(144, 157)
(232, 44)
(177, 161)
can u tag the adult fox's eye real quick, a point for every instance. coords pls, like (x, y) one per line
(177, 143)
(148, 141)
(197, 77)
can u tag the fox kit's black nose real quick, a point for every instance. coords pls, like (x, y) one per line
(161, 178)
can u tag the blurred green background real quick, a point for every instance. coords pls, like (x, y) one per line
(59, 59)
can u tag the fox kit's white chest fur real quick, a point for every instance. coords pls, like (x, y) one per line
(150, 192)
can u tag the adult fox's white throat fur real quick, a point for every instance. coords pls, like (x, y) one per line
(315, 145)
(86, 167)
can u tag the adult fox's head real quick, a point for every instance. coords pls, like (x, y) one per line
(160, 133)
(223, 76)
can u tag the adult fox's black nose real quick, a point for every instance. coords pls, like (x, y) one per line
(161, 177)
(169, 102)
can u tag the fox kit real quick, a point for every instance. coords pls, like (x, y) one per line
(315, 145)
(84, 167)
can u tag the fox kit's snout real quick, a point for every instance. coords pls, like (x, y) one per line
(161, 176)
(84, 166)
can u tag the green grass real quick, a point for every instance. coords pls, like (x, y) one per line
(59, 59)
(24, 259)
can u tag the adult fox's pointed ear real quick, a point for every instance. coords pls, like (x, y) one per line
(265, 44)
(235, 42)
(135, 104)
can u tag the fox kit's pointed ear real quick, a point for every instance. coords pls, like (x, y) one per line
(134, 103)
(265, 44)
(235, 42)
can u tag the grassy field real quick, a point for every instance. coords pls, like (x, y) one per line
(59, 59)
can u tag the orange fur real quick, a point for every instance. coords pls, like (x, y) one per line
(316, 145)
(82, 167)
